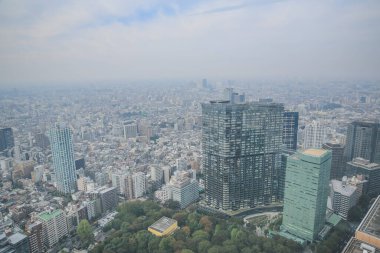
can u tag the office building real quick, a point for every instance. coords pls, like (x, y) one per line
(19, 243)
(139, 184)
(54, 226)
(290, 130)
(337, 161)
(108, 198)
(61, 141)
(6, 138)
(241, 153)
(370, 172)
(306, 192)
(343, 196)
(363, 140)
(314, 135)
(184, 189)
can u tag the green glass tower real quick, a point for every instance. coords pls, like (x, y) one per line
(306, 191)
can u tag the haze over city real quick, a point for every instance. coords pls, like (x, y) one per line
(189, 126)
(70, 41)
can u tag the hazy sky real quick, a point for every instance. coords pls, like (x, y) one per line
(48, 41)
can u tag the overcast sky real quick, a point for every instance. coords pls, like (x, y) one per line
(52, 41)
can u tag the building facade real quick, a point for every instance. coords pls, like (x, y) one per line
(241, 153)
(369, 171)
(314, 135)
(290, 130)
(306, 192)
(62, 148)
(337, 161)
(54, 226)
(363, 140)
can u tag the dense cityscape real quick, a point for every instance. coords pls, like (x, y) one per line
(290, 165)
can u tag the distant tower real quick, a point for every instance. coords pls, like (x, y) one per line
(289, 136)
(6, 138)
(314, 135)
(61, 141)
(363, 140)
(241, 153)
(306, 191)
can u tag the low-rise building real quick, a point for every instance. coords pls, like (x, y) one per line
(164, 226)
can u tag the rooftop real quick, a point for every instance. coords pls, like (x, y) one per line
(17, 237)
(314, 152)
(357, 246)
(163, 224)
(371, 222)
(47, 215)
(343, 188)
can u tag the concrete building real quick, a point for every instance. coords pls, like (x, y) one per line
(85, 184)
(306, 192)
(19, 243)
(337, 161)
(61, 141)
(130, 130)
(139, 184)
(164, 226)
(241, 153)
(370, 172)
(164, 194)
(367, 235)
(184, 189)
(343, 196)
(314, 135)
(54, 226)
(108, 198)
(363, 140)
(35, 235)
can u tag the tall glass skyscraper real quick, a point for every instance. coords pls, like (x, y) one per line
(306, 191)
(241, 153)
(61, 141)
(289, 137)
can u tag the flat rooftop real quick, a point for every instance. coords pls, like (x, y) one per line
(371, 222)
(46, 216)
(314, 152)
(357, 246)
(162, 224)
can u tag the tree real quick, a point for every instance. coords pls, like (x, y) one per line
(203, 246)
(172, 204)
(85, 233)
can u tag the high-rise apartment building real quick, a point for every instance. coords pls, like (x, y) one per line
(314, 135)
(290, 130)
(62, 148)
(337, 161)
(306, 191)
(363, 140)
(241, 153)
(139, 184)
(343, 196)
(54, 226)
(6, 138)
(35, 236)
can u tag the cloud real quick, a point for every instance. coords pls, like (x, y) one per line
(123, 40)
